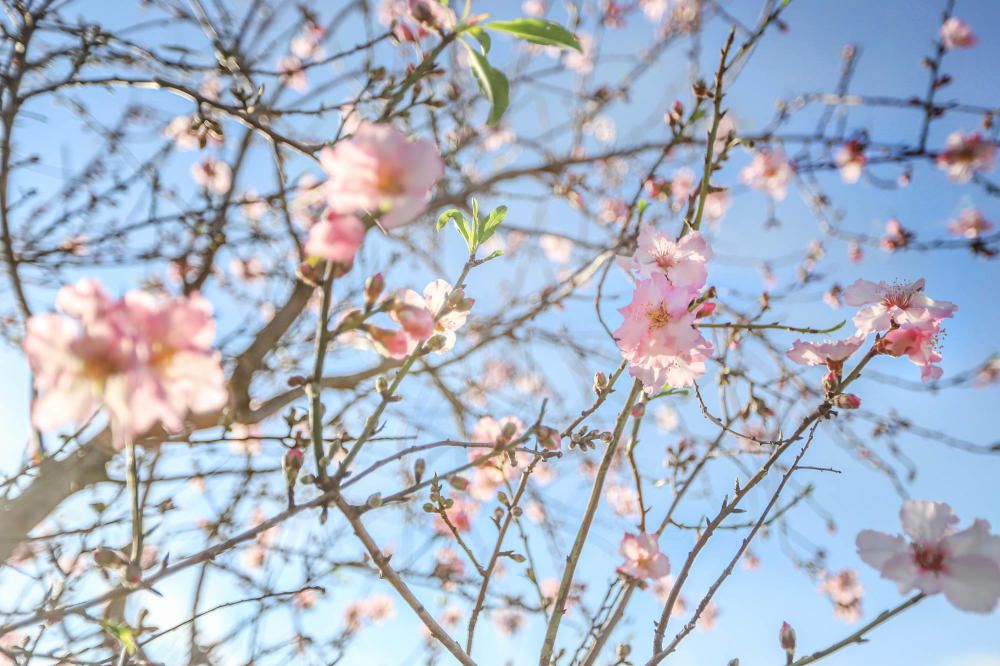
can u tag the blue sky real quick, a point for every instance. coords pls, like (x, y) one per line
(893, 35)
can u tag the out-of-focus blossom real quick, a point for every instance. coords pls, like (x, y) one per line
(851, 160)
(558, 249)
(582, 61)
(956, 34)
(769, 172)
(293, 73)
(965, 154)
(896, 236)
(380, 171)
(190, 133)
(415, 19)
(146, 360)
(508, 621)
(308, 43)
(623, 500)
(336, 238)
(963, 565)
(460, 515)
(970, 223)
(643, 559)
(845, 591)
(213, 175)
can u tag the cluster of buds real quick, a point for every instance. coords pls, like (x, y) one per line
(585, 439)
(675, 115)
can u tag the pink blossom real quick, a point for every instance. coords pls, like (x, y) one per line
(716, 205)
(336, 238)
(416, 19)
(831, 353)
(213, 175)
(658, 337)
(896, 236)
(145, 360)
(682, 261)
(460, 515)
(770, 172)
(956, 34)
(534, 8)
(582, 61)
(188, 134)
(558, 249)
(970, 223)
(682, 186)
(851, 160)
(449, 319)
(918, 340)
(391, 344)
(623, 500)
(845, 591)
(293, 73)
(964, 565)
(307, 44)
(892, 303)
(965, 154)
(415, 319)
(379, 171)
(643, 558)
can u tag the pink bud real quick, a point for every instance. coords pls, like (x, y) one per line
(638, 411)
(846, 401)
(787, 638)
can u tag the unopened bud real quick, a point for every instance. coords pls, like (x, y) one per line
(830, 382)
(787, 638)
(458, 482)
(638, 411)
(418, 469)
(549, 438)
(291, 463)
(600, 382)
(381, 384)
(508, 432)
(374, 501)
(846, 401)
(623, 650)
(373, 289)
(133, 575)
(435, 343)
(107, 558)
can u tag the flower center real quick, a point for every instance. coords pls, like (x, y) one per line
(388, 181)
(929, 557)
(657, 316)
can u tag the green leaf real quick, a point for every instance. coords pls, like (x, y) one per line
(493, 221)
(492, 82)
(482, 37)
(446, 216)
(122, 633)
(537, 31)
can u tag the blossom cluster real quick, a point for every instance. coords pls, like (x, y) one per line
(658, 337)
(907, 320)
(146, 360)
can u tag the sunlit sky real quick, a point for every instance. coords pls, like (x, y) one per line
(893, 36)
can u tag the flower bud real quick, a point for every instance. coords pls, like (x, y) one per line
(846, 401)
(458, 482)
(600, 382)
(639, 410)
(787, 638)
(435, 343)
(373, 289)
(291, 463)
(830, 382)
(109, 559)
